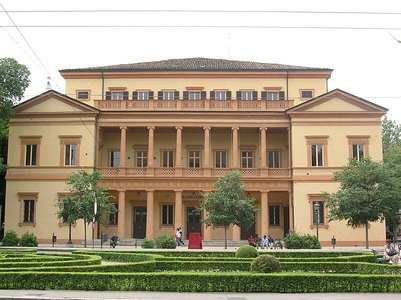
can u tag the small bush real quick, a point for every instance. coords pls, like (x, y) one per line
(148, 244)
(297, 241)
(165, 242)
(246, 251)
(265, 264)
(311, 242)
(10, 239)
(29, 240)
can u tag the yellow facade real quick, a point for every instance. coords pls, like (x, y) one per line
(158, 156)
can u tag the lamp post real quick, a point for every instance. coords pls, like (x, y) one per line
(94, 220)
(316, 208)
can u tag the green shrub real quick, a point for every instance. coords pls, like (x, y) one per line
(148, 244)
(246, 251)
(297, 241)
(311, 242)
(165, 242)
(10, 239)
(265, 264)
(29, 240)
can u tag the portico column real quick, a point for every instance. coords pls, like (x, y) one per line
(178, 153)
(149, 214)
(289, 148)
(235, 158)
(178, 209)
(150, 168)
(207, 230)
(264, 210)
(206, 161)
(123, 143)
(263, 158)
(121, 214)
(291, 209)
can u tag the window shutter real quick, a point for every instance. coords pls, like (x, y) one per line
(281, 95)
(108, 95)
(160, 95)
(264, 95)
(134, 95)
(212, 95)
(125, 95)
(185, 96)
(150, 95)
(203, 95)
(176, 95)
(228, 95)
(254, 95)
(239, 95)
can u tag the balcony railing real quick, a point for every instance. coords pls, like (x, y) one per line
(192, 172)
(194, 105)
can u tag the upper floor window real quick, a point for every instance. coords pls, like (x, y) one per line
(69, 150)
(317, 155)
(70, 155)
(30, 146)
(114, 158)
(247, 159)
(30, 155)
(141, 158)
(83, 95)
(194, 95)
(358, 146)
(142, 95)
(167, 158)
(274, 215)
(220, 95)
(194, 158)
(358, 152)
(168, 95)
(117, 95)
(273, 94)
(220, 159)
(306, 94)
(274, 158)
(317, 151)
(247, 95)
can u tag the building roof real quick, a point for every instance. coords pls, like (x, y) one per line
(197, 64)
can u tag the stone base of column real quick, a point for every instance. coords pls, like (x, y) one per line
(121, 171)
(264, 172)
(178, 171)
(207, 172)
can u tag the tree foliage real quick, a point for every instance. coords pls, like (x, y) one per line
(226, 205)
(369, 192)
(391, 134)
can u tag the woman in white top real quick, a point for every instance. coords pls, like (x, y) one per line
(391, 253)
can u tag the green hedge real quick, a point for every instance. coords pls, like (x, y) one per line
(203, 282)
(120, 256)
(80, 260)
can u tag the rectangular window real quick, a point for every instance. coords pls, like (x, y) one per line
(114, 159)
(221, 159)
(167, 158)
(274, 215)
(358, 152)
(29, 211)
(143, 95)
(30, 155)
(220, 95)
(247, 159)
(194, 96)
(306, 94)
(117, 95)
(167, 215)
(194, 159)
(141, 158)
(83, 95)
(246, 95)
(317, 155)
(273, 96)
(113, 218)
(168, 95)
(70, 155)
(274, 159)
(318, 211)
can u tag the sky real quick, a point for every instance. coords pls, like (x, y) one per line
(358, 39)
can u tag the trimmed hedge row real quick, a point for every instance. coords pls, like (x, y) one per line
(203, 282)
(120, 256)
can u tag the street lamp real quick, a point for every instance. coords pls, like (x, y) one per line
(94, 220)
(316, 208)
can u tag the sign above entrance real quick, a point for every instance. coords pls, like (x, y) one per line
(191, 196)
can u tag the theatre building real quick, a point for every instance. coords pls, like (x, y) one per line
(161, 133)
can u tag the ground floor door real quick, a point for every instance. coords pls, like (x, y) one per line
(193, 221)
(245, 233)
(286, 220)
(139, 222)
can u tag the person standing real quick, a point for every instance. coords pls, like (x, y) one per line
(181, 242)
(177, 237)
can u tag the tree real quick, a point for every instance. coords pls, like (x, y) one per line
(83, 194)
(227, 206)
(68, 212)
(391, 134)
(369, 192)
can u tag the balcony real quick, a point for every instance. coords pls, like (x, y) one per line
(193, 172)
(193, 105)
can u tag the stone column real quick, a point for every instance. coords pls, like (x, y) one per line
(123, 144)
(235, 157)
(149, 214)
(289, 149)
(291, 209)
(207, 231)
(263, 154)
(264, 211)
(121, 214)
(150, 168)
(178, 152)
(206, 161)
(178, 209)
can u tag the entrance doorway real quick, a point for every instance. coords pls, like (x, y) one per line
(246, 233)
(139, 222)
(286, 220)
(193, 221)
